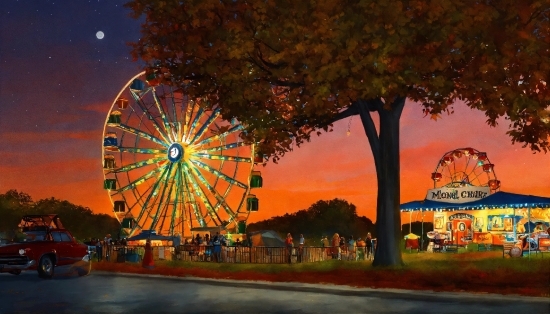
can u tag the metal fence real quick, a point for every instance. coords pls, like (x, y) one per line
(265, 255)
(233, 254)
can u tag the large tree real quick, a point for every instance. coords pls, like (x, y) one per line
(287, 69)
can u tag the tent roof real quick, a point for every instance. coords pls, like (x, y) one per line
(149, 234)
(267, 238)
(496, 200)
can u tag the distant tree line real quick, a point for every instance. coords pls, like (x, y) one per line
(323, 218)
(326, 218)
(79, 220)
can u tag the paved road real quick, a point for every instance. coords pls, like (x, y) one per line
(103, 292)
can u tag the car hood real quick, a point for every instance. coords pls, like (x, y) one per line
(13, 248)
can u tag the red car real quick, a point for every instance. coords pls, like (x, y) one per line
(43, 245)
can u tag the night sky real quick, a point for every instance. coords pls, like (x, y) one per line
(58, 80)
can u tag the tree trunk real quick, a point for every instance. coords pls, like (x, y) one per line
(385, 149)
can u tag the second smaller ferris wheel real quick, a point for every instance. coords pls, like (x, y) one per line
(464, 167)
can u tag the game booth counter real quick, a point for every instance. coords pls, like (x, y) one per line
(468, 207)
(498, 218)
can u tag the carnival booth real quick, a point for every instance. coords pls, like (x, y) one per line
(468, 207)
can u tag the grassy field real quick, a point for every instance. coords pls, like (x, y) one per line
(478, 272)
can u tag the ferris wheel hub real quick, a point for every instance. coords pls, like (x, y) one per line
(175, 152)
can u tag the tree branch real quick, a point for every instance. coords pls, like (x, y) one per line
(364, 108)
(399, 103)
(260, 66)
(348, 112)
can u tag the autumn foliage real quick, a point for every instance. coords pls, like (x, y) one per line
(288, 69)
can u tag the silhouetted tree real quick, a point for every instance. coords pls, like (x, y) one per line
(79, 220)
(321, 218)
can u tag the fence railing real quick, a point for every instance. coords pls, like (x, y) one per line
(232, 254)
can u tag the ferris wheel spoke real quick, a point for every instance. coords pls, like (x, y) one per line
(177, 179)
(196, 121)
(154, 192)
(175, 114)
(191, 198)
(146, 111)
(222, 135)
(139, 164)
(175, 120)
(216, 195)
(141, 134)
(162, 198)
(450, 175)
(139, 199)
(136, 150)
(223, 157)
(167, 127)
(207, 124)
(202, 195)
(223, 147)
(476, 175)
(187, 122)
(218, 173)
(174, 110)
(140, 180)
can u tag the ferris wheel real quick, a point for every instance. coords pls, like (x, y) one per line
(172, 166)
(465, 167)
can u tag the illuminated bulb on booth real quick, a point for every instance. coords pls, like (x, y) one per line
(348, 132)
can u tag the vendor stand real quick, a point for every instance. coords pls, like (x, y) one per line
(467, 209)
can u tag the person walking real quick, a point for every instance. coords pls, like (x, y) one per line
(351, 249)
(343, 248)
(223, 241)
(99, 250)
(107, 247)
(326, 246)
(301, 248)
(368, 243)
(217, 248)
(336, 246)
(360, 252)
(176, 242)
(289, 244)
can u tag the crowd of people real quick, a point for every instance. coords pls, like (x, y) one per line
(205, 248)
(339, 248)
(103, 246)
(215, 248)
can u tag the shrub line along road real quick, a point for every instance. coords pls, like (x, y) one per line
(342, 290)
(113, 292)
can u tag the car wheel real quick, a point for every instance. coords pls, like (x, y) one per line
(15, 272)
(45, 267)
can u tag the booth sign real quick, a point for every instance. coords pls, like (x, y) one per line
(461, 216)
(458, 195)
(484, 237)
